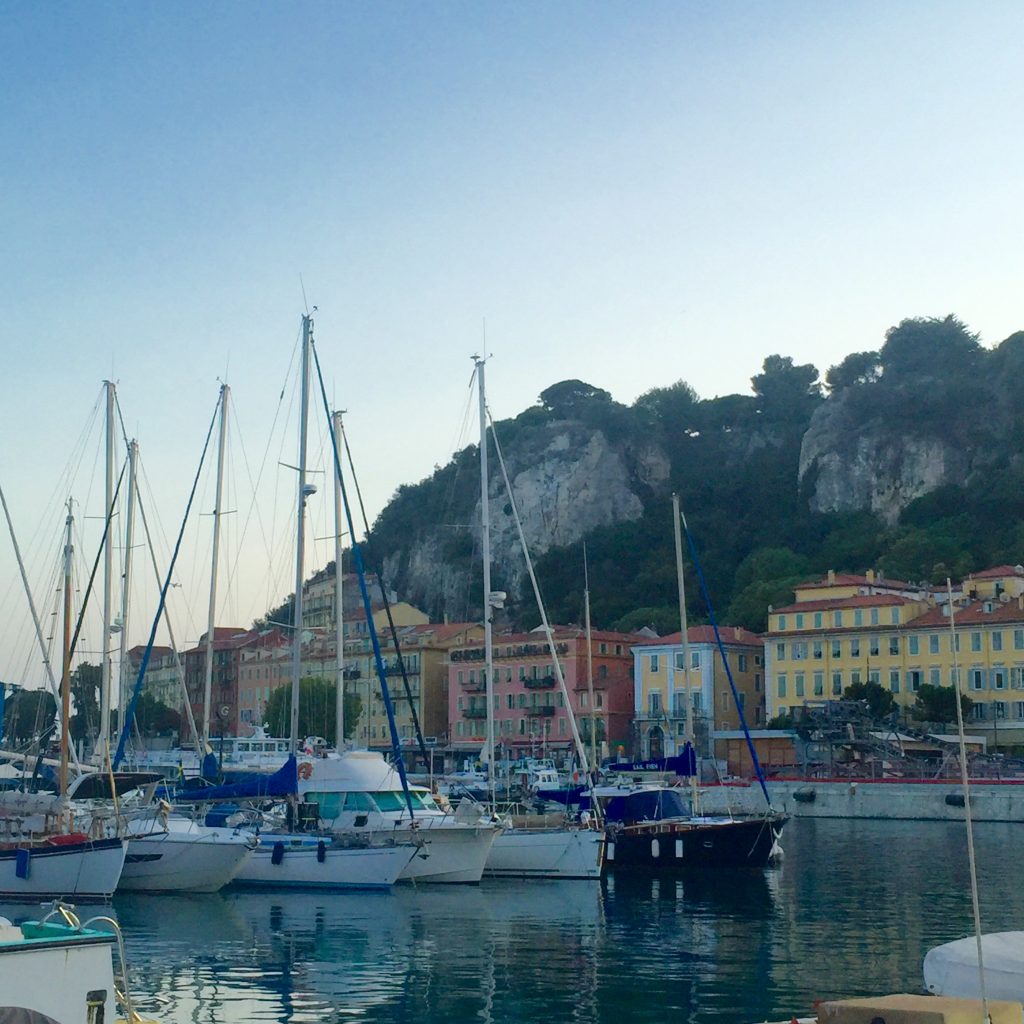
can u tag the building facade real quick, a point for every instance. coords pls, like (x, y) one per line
(531, 717)
(667, 693)
(863, 629)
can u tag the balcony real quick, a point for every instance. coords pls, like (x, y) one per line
(544, 683)
(474, 685)
(545, 711)
(475, 712)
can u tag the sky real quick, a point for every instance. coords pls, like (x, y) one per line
(629, 193)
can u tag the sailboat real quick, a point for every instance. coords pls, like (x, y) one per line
(519, 851)
(58, 860)
(289, 858)
(655, 827)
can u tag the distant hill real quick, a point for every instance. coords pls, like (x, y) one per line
(909, 459)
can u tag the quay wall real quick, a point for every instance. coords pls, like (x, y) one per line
(884, 799)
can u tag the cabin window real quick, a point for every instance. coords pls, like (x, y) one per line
(358, 802)
(330, 804)
(389, 801)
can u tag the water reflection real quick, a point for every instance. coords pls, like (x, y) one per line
(851, 911)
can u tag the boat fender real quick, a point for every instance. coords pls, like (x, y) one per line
(321, 852)
(305, 770)
(277, 854)
(22, 858)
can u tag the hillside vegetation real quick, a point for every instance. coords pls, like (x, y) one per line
(736, 462)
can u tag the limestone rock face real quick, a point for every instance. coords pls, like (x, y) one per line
(846, 465)
(567, 479)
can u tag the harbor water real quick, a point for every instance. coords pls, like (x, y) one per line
(851, 911)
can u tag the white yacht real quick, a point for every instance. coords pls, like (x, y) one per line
(358, 792)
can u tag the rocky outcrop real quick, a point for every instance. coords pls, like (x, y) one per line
(848, 465)
(567, 478)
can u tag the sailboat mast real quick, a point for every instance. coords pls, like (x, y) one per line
(590, 658)
(129, 538)
(211, 619)
(684, 639)
(65, 678)
(485, 547)
(339, 617)
(300, 535)
(103, 737)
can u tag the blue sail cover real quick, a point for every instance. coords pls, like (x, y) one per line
(684, 764)
(647, 805)
(284, 782)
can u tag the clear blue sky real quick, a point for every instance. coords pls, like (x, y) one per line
(631, 193)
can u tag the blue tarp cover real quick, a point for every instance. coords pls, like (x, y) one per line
(283, 782)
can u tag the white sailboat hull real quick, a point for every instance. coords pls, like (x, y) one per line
(187, 858)
(82, 871)
(450, 854)
(372, 867)
(546, 853)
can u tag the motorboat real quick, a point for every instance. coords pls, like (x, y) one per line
(358, 793)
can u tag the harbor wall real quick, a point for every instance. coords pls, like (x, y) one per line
(885, 799)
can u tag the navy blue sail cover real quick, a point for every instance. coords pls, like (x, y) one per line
(284, 782)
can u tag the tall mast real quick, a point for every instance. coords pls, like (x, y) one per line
(300, 535)
(339, 611)
(103, 737)
(65, 678)
(485, 546)
(684, 638)
(590, 659)
(218, 511)
(129, 536)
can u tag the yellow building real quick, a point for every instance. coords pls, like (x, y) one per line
(425, 648)
(660, 700)
(847, 629)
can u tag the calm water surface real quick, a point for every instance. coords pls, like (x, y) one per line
(852, 911)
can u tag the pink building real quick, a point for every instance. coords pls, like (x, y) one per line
(530, 717)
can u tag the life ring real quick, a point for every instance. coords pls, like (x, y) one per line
(305, 770)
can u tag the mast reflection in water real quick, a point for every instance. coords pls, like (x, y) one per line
(852, 911)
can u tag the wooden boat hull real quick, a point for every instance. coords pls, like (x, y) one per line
(679, 844)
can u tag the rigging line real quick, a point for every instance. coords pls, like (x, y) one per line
(691, 544)
(574, 729)
(96, 563)
(167, 621)
(387, 606)
(130, 712)
(357, 556)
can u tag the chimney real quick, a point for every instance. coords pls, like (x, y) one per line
(831, 577)
(870, 575)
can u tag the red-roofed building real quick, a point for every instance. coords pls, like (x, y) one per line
(666, 692)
